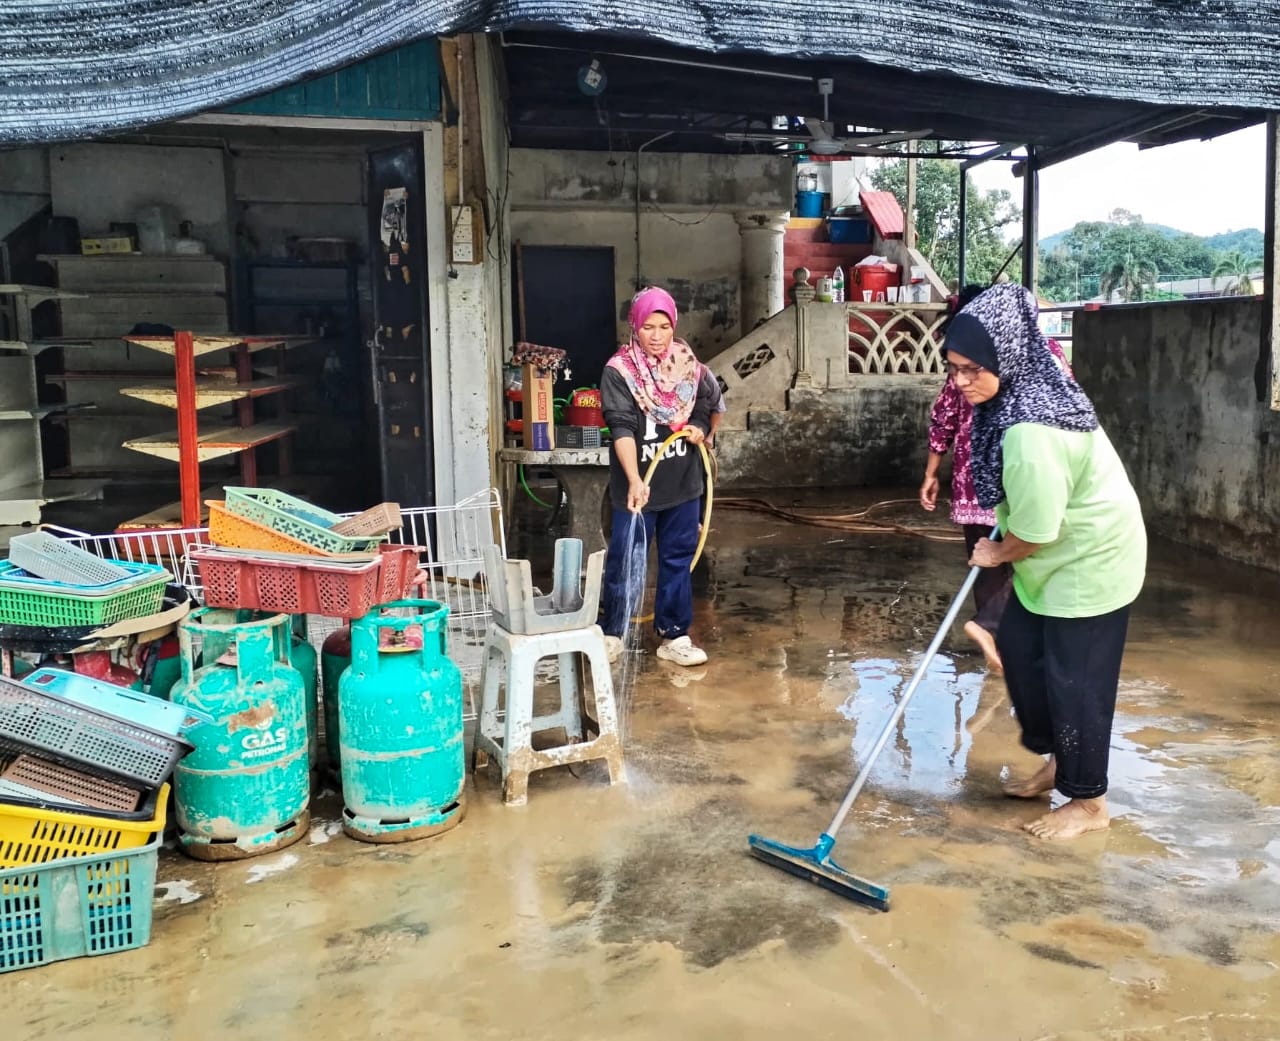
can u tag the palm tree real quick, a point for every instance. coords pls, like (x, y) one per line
(1238, 271)
(1128, 276)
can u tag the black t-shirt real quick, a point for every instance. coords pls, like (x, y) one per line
(679, 477)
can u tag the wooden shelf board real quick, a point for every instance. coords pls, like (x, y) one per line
(212, 444)
(40, 411)
(43, 292)
(36, 346)
(209, 392)
(208, 343)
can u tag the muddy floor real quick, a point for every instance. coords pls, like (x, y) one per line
(634, 912)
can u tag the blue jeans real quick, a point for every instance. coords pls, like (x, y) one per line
(676, 532)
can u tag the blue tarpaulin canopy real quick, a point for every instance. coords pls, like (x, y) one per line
(83, 69)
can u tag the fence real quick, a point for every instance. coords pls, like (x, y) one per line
(892, 339)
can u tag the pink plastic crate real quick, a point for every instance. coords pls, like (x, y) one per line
(333, 590)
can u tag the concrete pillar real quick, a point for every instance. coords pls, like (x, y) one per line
(762, 275)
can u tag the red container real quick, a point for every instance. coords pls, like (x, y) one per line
(332, 590)
(874, 278)
(583, 416)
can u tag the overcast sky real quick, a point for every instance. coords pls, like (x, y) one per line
(1203, 187)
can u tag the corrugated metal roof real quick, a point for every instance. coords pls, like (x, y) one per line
(884, 212)
(77, 69)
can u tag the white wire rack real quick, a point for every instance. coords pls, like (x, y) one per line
(452, 539)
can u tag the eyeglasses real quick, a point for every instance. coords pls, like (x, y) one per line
(969, 372)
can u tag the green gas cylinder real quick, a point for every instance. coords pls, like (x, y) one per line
(335, 656)
(245, 789)
(400, 726)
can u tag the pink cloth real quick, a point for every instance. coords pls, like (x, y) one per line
(950, 429)
(664, 388)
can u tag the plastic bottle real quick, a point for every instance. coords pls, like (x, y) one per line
(837, 286)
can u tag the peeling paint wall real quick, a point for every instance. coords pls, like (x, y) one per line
(688, 238)
(1174, 388)
(872, 434)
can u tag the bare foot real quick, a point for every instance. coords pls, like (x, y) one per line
(1036, 785)
(1071, 819)
(987, 642)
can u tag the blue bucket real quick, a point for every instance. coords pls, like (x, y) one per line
(808, 204)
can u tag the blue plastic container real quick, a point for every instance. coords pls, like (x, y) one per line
(848, 230)
(808, 204)
(142, 709)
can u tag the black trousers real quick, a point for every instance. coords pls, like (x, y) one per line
(991, 590)
(1062, 675)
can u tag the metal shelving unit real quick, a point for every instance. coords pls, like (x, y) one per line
(24, 491)
(187, 394)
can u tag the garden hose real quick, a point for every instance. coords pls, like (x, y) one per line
(707, 466)
(524, 483)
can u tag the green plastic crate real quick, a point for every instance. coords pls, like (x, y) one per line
(76, 906)
(48, 607)
(298, 519)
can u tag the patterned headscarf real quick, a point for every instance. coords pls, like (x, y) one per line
(1034, 386)
(665, 388)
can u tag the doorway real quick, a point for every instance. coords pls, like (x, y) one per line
(565, 298)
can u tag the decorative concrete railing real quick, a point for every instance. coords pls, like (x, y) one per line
(891, 339)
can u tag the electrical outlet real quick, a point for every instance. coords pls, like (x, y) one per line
(464, 236)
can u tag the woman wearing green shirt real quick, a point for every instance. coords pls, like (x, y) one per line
(1072, 529)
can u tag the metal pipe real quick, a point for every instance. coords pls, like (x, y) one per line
(1031, 221)
(963, 245)
(639, 151)
(665, 61)
(999, 152)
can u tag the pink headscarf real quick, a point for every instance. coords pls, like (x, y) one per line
(665, 388)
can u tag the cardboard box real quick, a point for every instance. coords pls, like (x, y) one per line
(106, 244)
(537, 410)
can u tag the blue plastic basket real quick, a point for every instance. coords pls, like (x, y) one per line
(136, 707)
(14, 577)
(76, 906)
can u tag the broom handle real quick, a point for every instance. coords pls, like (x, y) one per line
(925, 662)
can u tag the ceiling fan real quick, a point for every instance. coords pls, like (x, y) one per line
(821, 138)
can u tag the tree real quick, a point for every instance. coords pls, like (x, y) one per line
(1238, 270)
(938, 218)
(1132, 277)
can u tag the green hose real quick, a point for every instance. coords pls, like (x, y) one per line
(525, 485)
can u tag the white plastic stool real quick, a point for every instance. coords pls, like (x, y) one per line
(510, 741)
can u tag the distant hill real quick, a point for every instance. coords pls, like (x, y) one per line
(1248, 240)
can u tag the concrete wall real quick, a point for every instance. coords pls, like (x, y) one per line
(100, 183)
(872, 433)
(685, 236)
(1174, 387)
(24, 186)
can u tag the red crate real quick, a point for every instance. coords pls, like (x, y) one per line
(333, 590)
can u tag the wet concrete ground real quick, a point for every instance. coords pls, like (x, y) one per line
(635, 912)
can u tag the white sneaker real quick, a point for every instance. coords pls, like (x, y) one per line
(681, 651)
(613, 648)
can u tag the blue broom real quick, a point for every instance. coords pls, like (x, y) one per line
(815, 864)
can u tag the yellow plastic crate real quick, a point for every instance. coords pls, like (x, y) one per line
(35, 836)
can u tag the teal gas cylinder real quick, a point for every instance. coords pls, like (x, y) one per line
(245, 789)
(304, 659)
(335, 656)
(400, 726)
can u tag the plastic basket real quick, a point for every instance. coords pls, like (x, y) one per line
(43, 724)
(333, 590)
(142, 709)
(377, 520)
(49, 606)
(47, 556)
(31, 835)
(295, 518)
(30, 781)
(22, 581)
(75, 907)
(235, 532)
